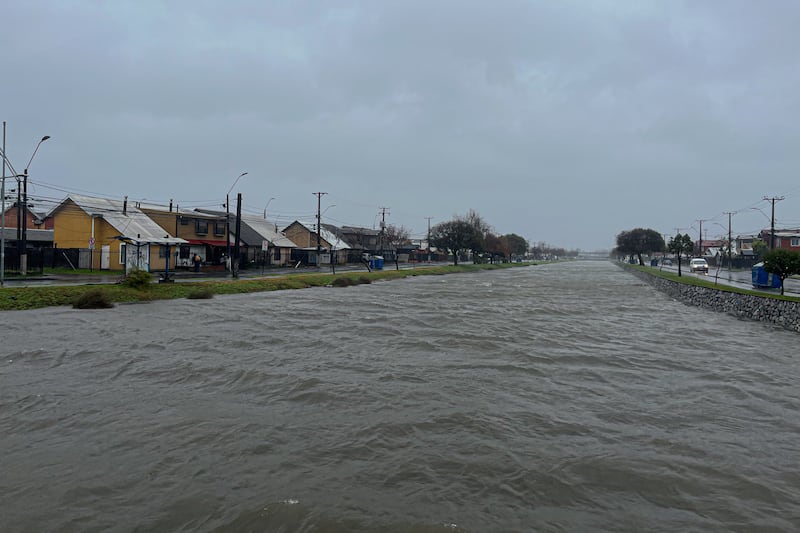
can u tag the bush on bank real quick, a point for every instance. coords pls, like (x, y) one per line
(19, 298)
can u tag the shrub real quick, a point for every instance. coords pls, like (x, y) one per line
(342, 282)
(138, 279)
(201, 293)
(364, 280)
(93, 299)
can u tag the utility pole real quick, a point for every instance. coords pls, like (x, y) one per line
(383, 225)
(700, 244)
(235, 265)
(730, 239)
(319, 221)
(429, 238)
(730, 242)
(772, 228)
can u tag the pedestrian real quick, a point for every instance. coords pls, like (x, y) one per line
(197, 260)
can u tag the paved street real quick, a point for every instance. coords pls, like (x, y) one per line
(735, 278)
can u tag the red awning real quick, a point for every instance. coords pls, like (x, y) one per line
(210, 243)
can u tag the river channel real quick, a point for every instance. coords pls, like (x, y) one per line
(560, 397)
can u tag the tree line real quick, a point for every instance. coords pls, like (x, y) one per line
(470, 233)
(644, 241)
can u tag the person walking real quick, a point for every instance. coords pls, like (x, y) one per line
(197, 260)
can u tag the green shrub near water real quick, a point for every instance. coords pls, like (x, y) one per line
(138, 279)
(201, 293)
(93, 299)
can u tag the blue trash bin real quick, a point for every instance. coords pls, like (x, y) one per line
(378, 262)
(763, 279)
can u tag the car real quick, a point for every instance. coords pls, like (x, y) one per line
(667, 262)
(698, 264)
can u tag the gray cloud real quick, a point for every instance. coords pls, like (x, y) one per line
(560, 121)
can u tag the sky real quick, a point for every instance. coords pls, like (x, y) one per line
(565, 121)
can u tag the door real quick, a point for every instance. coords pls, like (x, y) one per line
(105, 257)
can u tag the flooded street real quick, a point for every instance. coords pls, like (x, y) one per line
(562, 397)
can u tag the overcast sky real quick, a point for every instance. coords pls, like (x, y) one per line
(561, 121)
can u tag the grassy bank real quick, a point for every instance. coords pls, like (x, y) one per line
(707, 282)
(20, 298)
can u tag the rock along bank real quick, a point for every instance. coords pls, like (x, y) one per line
(782, 313)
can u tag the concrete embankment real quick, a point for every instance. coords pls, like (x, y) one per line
(753, 307)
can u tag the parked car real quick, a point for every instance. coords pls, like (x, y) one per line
(698, 264)
(667, 262)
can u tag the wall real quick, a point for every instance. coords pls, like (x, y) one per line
(779, 312)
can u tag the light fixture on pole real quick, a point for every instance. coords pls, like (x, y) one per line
(23, 258)
(228, 222)
(266, 206)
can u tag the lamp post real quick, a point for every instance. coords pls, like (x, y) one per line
(266, 206)
(6, 162)
(23, 258)
(228, 222)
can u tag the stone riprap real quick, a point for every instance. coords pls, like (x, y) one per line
(761, 308)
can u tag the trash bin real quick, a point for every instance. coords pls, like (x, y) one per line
(378, 262)
(654, 262)
(763, 279)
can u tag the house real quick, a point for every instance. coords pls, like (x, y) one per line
(254, 232)
(744, 244)
(788, 239)
(204, 234)
(264, 244)
(118, 236)
(309, 242)
(37, 235)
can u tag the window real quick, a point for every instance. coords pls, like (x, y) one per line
(219, 228)
(122, 253)
(163, 251)
(795, 241)
(201, 227)
(185, 221)
(184, 252)
(277, 255)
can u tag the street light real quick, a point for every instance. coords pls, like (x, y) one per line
(15, 174)
(228, 222)
(23, 258)
(266, 206)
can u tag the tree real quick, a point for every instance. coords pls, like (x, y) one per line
(395, 235)
(640, 241)
(782, 263)
(455, 236)
(679, 245)
(517, 245)
(759, 248)
(482, 230)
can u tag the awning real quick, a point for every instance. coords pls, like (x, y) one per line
(210, 243)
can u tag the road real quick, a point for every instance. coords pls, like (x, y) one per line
(735, 278)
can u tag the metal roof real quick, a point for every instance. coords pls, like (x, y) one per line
(326, 234)
(132, 224)
(267, 231)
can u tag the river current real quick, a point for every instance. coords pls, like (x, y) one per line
(560, 397)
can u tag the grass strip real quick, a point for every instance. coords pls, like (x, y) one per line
(705, 282)
(22, 298)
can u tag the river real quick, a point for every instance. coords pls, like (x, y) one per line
(560, 397)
